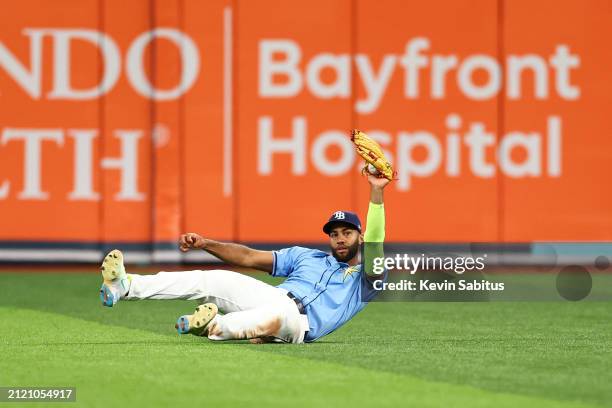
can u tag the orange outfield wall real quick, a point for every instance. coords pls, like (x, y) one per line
(133, 122)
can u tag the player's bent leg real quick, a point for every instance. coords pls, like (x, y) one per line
(230, 291)
(197, 322)
(115, 281)
(279, 321)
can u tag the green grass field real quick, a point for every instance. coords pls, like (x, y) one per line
(54, 331)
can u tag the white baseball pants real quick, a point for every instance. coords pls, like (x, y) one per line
(251, 308)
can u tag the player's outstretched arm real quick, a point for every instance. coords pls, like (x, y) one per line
(234, 254)
(375, 224)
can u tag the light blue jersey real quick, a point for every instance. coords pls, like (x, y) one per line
(331, 291)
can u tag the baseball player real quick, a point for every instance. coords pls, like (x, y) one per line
(321, 292)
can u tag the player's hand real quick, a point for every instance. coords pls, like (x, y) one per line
(191, 240)
(378, 182)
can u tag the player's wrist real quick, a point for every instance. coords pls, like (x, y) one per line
(204, 243)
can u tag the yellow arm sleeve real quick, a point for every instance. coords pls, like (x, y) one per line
(375, 223)
(374, 237)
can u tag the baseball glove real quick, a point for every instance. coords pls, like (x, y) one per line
(372, 153)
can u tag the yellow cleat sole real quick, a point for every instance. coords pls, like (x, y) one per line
(112, 267)
(197, 322)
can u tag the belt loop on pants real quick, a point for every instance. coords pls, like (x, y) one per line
(302, 310)
(298, 303)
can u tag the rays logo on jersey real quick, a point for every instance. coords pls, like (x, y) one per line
(349, 271)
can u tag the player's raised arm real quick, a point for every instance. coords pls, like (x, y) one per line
(234, 254)
(375, 223)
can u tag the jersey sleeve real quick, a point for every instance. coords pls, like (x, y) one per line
(286, 259)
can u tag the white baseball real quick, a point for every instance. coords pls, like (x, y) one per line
(373, 170)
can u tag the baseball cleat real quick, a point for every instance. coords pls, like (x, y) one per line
(116, 282)
(197, 322)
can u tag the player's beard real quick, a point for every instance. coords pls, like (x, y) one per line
(350, 254)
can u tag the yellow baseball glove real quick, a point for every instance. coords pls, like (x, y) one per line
(372, 153)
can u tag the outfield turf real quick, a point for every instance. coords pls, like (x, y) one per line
(54, 331)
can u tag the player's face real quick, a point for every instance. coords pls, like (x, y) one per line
(344, 243)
